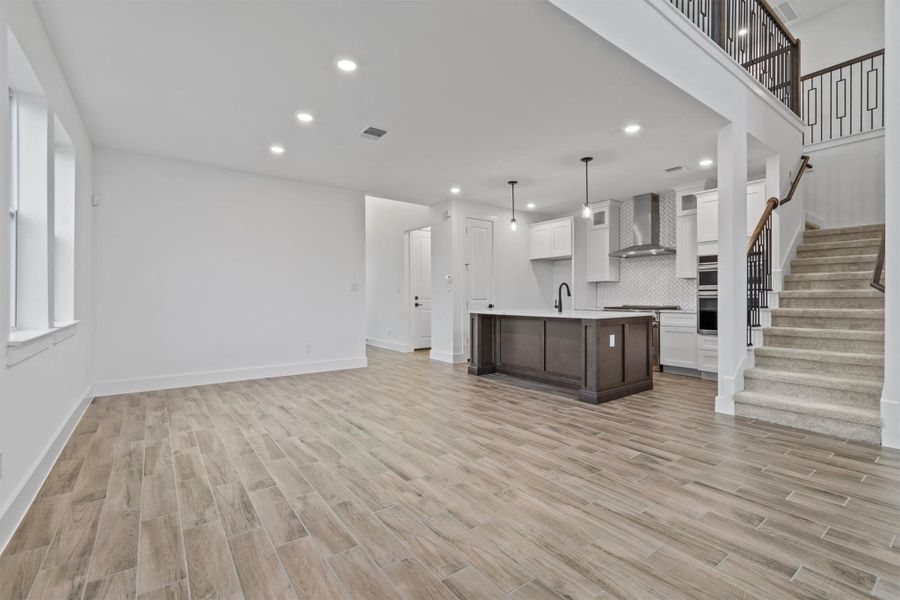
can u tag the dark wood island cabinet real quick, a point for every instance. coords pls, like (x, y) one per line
(604, 355)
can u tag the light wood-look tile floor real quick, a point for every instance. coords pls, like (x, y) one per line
(411, 479)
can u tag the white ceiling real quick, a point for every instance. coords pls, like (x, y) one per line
(473, 93)
(809, 9)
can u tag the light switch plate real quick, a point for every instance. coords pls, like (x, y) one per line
(612, 340)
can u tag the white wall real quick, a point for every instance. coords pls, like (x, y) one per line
(848, 31)
(387, 275)
(207, 275)
(518, 282)
(42, 397)
(846, 185)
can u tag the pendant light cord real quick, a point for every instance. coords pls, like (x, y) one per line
(586, 160)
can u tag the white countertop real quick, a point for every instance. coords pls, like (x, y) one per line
(566, 314)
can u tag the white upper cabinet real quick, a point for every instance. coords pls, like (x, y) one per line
(708, 211)
(603, 238)
(551, 239)
(686, 229)
(708, 216)
(561, 238)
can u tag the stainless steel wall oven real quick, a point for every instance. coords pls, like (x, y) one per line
(708, 295)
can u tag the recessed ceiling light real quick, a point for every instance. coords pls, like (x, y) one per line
(454, 190)
(276, 149)
(706, 162)
(633, 128)
(304, 117)
(743, 31)
(530, 205)
(345, 64)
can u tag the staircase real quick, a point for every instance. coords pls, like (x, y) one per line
(821, 365)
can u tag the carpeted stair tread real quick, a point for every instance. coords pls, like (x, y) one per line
(833, 313)
(870, 417)
(876, 227)
(828, 294)
(816, 381)
(835, 260)
(844, 334)
(841, 358)
(841, 244)
(865, 275)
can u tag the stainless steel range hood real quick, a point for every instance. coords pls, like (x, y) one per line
(645, 230)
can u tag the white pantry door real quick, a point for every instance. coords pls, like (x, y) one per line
(479, 270)
(420, 286)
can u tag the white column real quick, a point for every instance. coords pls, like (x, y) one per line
(732, 175)
(774, 190)
(890, 398)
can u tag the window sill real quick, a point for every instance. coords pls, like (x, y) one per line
(23, 344)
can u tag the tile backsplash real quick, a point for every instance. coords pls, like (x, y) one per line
(649, 279)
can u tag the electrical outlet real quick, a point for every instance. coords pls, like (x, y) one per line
(308, 348)
(354, 287)
(612, 340)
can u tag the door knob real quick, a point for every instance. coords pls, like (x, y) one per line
(417, 304)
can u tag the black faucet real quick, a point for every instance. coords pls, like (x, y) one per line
(559, 299)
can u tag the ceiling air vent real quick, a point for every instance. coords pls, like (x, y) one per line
(788, 12)
(373, 133)
(675, 169)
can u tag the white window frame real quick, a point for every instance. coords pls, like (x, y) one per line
(13, 208)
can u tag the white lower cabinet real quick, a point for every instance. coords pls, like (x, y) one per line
(708, 353)
(678, 340)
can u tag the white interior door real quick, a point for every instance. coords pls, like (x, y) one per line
(479, 270)
(420, 286)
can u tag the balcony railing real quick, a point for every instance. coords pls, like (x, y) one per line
(845, 99)
(753, 35)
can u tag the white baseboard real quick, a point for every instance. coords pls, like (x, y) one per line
(12, 514)
(165, 382)
(730, 385)
(815, 220)
(447, 357)
(389, 345)
(890, 417)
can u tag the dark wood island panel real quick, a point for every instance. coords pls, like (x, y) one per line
(603, 357)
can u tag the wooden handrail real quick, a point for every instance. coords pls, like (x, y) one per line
(804, 165)
(771, 204)
(879, 267)
(842, 65)
(774, 203)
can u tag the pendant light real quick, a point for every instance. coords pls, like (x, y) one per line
(512, 222)
(586, 210)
